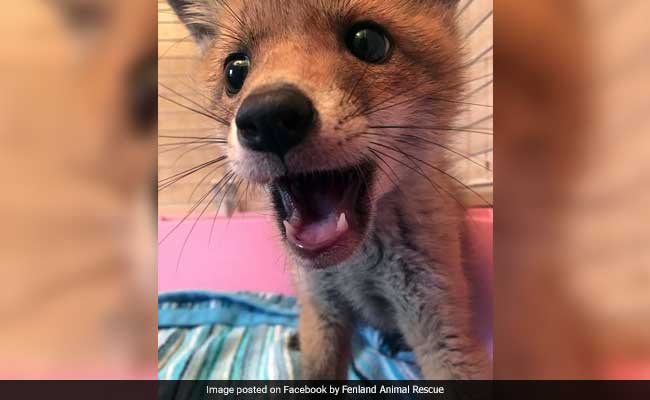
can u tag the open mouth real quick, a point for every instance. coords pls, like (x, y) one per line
(324, 214)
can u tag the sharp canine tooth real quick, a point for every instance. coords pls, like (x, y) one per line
(291, 231)
(342, 223)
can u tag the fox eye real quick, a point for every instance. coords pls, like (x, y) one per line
(368, 43)
(236, 71)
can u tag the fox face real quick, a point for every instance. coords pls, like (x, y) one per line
(328, 104)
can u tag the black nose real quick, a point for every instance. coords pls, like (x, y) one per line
(275, 120)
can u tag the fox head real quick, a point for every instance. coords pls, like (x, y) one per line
(329, 104)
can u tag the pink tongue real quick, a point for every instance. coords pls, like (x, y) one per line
(318, 235)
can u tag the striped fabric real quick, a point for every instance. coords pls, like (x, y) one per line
(218, 336)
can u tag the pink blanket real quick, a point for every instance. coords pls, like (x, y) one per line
(244, 254)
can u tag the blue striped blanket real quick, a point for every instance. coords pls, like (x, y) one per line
(219, 336)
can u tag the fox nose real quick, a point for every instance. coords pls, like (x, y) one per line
(275, 120)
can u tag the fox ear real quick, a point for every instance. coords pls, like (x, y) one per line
(86, 22)
(83, 17)
(199, 16)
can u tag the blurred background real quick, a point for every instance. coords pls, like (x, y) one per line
(77, 210)
(572, 226)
